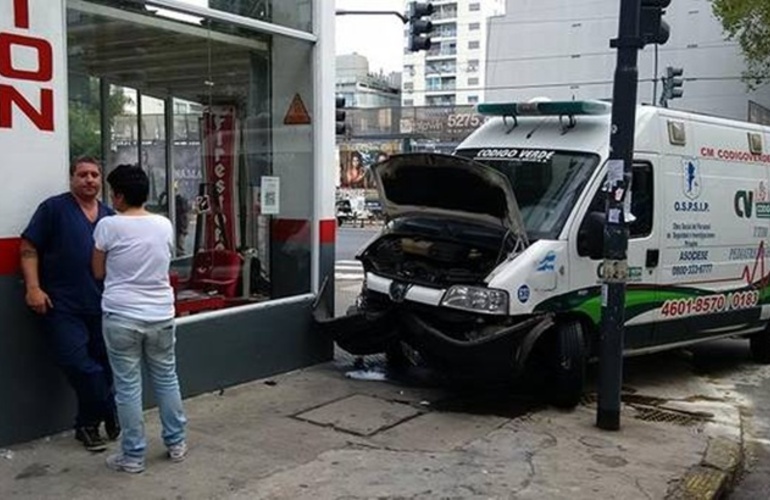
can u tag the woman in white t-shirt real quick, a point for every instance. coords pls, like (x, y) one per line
(133, 254)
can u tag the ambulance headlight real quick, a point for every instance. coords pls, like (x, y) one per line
(476, 299)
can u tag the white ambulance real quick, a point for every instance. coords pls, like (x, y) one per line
(491, 257)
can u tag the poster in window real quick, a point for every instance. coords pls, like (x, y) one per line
(270, 195)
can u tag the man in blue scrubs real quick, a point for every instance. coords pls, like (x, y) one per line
(56, 253)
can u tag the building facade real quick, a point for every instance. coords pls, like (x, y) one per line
(452, 72)
(229, 107)
(560, 49)
(362, 88)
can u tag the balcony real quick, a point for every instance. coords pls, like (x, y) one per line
(441, 85)
(438, 52)
(442, 15)
(441, 89)
(445, 33)
(440, 101)
(441, 69)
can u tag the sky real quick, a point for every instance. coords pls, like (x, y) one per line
(379, 38)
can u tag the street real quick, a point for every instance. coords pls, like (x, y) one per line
(724, 364)
(350, 239)
(347, 270)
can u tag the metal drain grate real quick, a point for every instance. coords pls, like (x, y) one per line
(650, 414)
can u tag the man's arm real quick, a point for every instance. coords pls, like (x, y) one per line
(35, 297)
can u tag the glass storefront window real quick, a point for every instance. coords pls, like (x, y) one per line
(123, 134)
(223, 133)
(153, 152)
(297, 14)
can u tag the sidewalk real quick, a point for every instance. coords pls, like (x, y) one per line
(316, 434)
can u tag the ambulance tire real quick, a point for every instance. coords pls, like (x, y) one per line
(760, 347)
(396, 358)
(568, 366)
(400, 357)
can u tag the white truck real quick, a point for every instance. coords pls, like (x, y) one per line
(491, 258)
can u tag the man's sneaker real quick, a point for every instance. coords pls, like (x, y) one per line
(121, 463)
(112, 427)
(177, 452)
(90, 438)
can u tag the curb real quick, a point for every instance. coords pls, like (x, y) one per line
(717, 473)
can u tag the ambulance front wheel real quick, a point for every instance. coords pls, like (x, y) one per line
(568, 365)
(400, 357)
(760, 347)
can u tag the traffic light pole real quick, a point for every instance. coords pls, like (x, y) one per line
(419, 27)
(615, 266)
(403, 18)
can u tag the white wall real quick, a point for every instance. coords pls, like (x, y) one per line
(560, 49)
(35, 161)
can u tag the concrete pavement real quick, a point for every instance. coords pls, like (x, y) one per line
(318, 434)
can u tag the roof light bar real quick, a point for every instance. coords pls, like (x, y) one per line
(545, 108)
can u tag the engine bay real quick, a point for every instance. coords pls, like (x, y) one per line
(432, 261)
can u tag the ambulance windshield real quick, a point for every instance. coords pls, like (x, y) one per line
(546, 183)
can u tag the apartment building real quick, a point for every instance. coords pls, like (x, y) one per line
(560, 49)
(452, 72)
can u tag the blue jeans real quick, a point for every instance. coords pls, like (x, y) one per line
(129, 343)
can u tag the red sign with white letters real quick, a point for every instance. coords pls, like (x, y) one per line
(36, 105)
(219, 137)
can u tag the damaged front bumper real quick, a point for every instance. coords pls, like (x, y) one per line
(372, 330)
(503, 352)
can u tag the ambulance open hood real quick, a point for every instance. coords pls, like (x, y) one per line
(447, 185)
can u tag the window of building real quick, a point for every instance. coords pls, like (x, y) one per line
(474, 44)
(473, 99)
(408, 102)
(433, 83)
(474, 7)
(474, 26)
(203, 113)
(473, 65)
(473, 81)
(408, 86)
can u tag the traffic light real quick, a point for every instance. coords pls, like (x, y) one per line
(672, 85)
(339, 115)
(652, 27)
(419, 27)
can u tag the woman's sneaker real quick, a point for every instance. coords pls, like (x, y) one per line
(121, 463)
(177, 452)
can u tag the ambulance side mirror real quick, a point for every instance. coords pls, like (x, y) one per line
(591, 236)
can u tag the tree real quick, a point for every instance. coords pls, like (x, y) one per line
(84, 117)
(748, 22)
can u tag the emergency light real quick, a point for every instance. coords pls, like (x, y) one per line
(545, 108)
